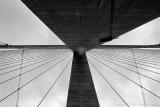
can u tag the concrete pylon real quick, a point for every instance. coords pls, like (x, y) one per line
(81, 88)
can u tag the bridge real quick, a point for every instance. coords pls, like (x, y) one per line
(129, 73)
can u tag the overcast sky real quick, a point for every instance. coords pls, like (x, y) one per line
(18, 25)
(146, 34)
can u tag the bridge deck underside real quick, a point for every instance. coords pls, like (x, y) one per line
(84, 23)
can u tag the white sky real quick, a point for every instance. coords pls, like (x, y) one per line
(18, 25)
(147, 34)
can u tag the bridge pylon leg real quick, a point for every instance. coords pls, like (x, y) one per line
(81, 91)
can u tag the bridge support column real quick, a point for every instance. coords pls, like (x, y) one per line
(81, 88)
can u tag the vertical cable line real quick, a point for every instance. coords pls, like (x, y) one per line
(9, 54)
(30, 65)
(53, 84)
(146, 58)
(126, 63)
(13, 92)
(128, 57)
(18, 64)
(139, 79)
(148, 53)
(109, 84)
(31, 70)
(138, 61)
(128, 78)
(19, 82)
(26, 59)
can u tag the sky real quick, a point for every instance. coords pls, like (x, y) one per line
(147, 34)
(18, 25)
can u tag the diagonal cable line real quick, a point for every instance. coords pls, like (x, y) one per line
(146, 52)
(31, 80)
(116, 59)
(123, 54)
(54, 83)
(11, 55)
(32, 57)
(109, 84)
(138, 61)
(101, 2)
(14, 65)
(10, 58)
(30, 70)
(23, 67)
(27, 65)
(28, 61)
(144, 58)
(128, 69)
(130, 58)
(144, 100)
(131, 80)
(18, 61)
(46, 57)
(132, 65)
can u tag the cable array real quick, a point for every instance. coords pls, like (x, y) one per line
(140, 82)
(128, 60)
(109, 83)
(19, 82)
(38, 58)
(136, 61)
(54, 83)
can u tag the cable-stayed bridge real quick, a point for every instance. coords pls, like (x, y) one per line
(97, 76)
(121, 76)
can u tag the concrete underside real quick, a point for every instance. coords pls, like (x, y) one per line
(84, 23)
